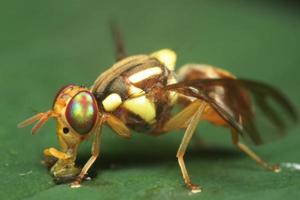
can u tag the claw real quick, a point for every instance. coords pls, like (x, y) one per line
(75, 184)
(194, 188)
(275, 168)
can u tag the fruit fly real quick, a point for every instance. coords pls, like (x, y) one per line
(138, 93)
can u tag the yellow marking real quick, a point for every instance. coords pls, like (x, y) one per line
(173, 96)
(142, 107)
(167, 57)
(111, 102)
(144, 74)
(135, 91)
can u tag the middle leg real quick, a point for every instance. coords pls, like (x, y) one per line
(190, 116)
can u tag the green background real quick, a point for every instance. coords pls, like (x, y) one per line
(47, 44)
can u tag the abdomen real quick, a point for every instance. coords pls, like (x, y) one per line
(200, 71)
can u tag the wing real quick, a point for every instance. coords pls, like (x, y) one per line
(256, 110)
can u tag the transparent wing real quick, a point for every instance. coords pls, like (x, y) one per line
(256, 110)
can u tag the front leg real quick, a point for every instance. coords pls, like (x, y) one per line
(89, 163)
(49, 159)
(52, 155)
(62, 165)
(53, 152)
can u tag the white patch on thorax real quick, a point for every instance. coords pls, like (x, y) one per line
(144, 74)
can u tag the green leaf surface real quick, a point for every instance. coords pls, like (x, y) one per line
(47, 44)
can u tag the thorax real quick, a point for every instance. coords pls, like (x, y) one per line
(132, 90)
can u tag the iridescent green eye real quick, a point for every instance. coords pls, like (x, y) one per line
(81, 112)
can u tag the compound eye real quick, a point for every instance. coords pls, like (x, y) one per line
(81, 112)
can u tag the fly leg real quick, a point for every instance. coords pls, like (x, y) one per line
(62, 164)
(95, 154)
(189, 118)
(89, 163)
(52, 155)
(251, 154)
(183, 146)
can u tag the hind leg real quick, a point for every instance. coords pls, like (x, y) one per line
(251, 154)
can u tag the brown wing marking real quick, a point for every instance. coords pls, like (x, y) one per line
(254, 109)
